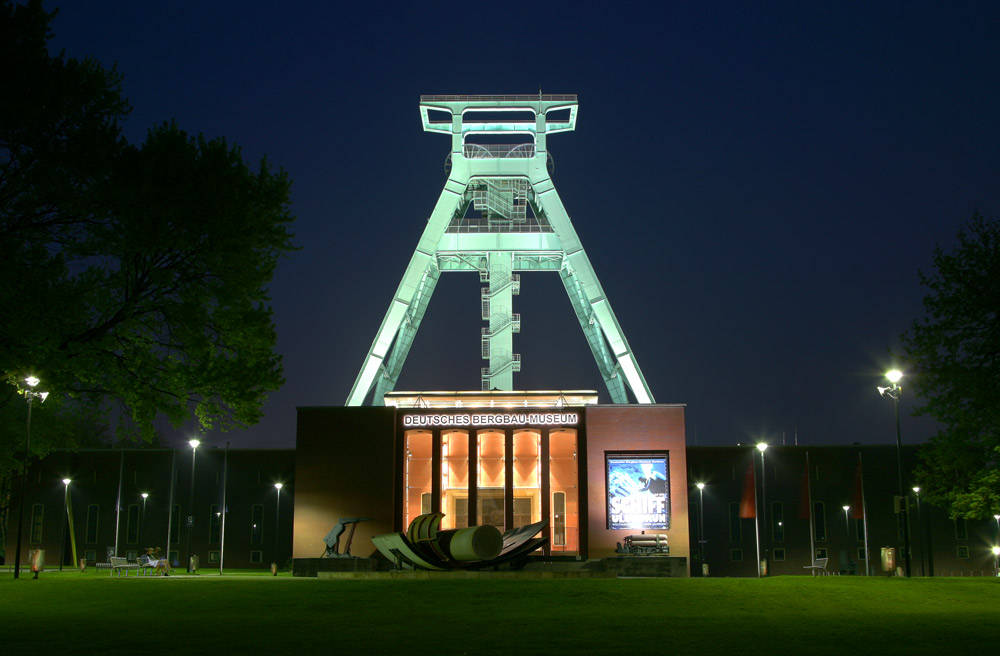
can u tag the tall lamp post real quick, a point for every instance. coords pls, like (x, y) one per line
(142, 530)
(277, 518)
(701, 524)
(190, 519)
(30, 394)
(62, 544)
(847, 528)
(893, 392)
(920, 529)
(762, 447)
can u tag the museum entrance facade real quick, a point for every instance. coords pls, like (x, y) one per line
(507, 467)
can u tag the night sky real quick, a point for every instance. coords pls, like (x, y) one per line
(756, 186)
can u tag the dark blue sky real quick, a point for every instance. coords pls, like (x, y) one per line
(756, 184)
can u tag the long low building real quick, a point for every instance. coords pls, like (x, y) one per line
(597, 475)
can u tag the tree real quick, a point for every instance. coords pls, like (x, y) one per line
(135, 277)
(955, 353)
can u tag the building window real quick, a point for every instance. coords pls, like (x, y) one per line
(559, 519)
(779, 555)
(462, 512)
(527, 466)
(819, 520)
(492, 471)
(455, 479)
(130, 555)
(563, 479)
(255, 557)
(961, 529)
(425, 503)
(418, 474)
(859, 528)
(735, 525)
(213, 556)
(777, 522)
(90, 555)
(175, 528)
(820, 552)
(132, 524)
(963, 552)
(257, 524)
(173, 557)
(861, 554)
(214, 523)
(736, 555)
(37, 517)
(92, 515)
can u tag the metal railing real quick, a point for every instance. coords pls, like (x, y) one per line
(498, 151)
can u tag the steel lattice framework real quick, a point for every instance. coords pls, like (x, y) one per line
(499, 214)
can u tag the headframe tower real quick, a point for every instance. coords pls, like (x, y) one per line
(499, 214)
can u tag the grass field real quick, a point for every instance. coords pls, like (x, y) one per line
(73, 613)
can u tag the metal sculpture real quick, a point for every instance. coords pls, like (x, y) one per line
(498, 215)
(332, 538)
(424, 546)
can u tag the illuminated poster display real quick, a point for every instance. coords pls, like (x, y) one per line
(638, 491)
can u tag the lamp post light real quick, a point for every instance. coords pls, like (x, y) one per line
(190, 518)
(920, 529)
(277, 519)
(762, 447)
(30, 394)
(62, 544)
(893, 392)
(996, 561)
(847, 524)
(701, 523)
(997, 518)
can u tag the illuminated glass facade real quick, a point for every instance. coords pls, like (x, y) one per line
(516, 476)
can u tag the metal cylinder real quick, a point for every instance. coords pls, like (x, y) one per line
(475, 543)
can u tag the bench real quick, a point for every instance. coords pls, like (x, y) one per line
(818, 567)
(121, 564)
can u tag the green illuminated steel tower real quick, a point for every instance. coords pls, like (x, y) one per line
(499, 214)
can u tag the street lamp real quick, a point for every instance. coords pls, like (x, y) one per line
(893, 392)
(762, 447)
(62, 546)
(847, 525)
(701, 522)
(277, 518)
(142, 531)
(920, 529)
(996, 561)
(30, 394)
(190, 519)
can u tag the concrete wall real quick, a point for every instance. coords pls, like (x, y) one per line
(346, 466)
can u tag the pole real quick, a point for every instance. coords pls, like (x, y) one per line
(920, 532)
(864, 515)
(225, 474)
(756, 515)
(763, 502)
(118, 509)
(701, 520)
(170, 501)
(277, 519)
(812, 527)
(24, 488)
(903, 498)
(190, 518)
(62, 542)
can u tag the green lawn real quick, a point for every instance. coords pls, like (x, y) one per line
(96, 614)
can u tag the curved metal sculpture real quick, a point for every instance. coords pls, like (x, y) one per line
(425, 546)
